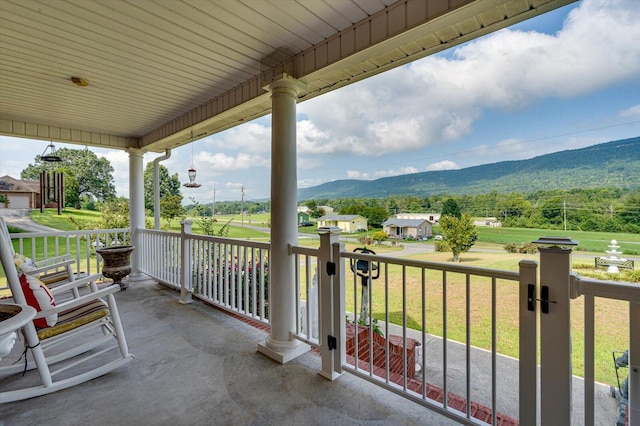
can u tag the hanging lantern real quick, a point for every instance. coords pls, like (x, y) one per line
(51, 157)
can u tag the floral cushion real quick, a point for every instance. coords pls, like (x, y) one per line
(39, 297)
(23, 263)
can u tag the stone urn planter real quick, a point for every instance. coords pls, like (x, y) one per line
(117, 263)
(12, 318)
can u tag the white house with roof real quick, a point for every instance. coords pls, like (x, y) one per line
(431, 217)
(20, 193)
(403, 228)
(346, 222)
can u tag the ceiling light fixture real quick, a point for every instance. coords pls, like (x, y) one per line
(80, 82)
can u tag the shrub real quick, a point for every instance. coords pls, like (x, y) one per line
(511, 248)
(526, 248)
(379, 236)
(441, 246)
(632, 276)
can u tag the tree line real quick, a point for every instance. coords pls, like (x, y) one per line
(89, 184)
(584, 209)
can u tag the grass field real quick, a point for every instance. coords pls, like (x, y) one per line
(609, 334)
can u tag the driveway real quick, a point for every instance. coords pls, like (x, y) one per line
(19, 218)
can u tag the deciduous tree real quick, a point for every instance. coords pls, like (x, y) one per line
(459, 233)
(169, 184)
(450, 208)
(171, 207)
(84, 172)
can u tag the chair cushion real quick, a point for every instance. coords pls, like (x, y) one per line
(76, 317)
(39, 297)
(23, 263)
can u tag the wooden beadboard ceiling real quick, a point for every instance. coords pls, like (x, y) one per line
(158, 70)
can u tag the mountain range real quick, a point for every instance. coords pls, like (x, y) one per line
(613, 164)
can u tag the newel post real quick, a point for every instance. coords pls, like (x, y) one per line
(185, 268)
(555, 330)
(634, 363)
(331, 303)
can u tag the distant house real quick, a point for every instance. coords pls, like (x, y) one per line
(21, 193)
(431, 217)
(403, 228)
(489, 221)
(326, 209)
(346, 222)
(303, 209)
(303, 217)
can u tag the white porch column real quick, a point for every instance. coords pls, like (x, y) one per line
(279, 345)
(136, 208)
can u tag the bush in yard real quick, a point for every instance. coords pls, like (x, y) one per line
(379, 237)
(528, 248)
(511, 248)
(525, 248)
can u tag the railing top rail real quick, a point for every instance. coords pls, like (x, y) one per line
(308, 251)
(236, 241)
(439, 266)
(73, 233)
(607, 289)
(158, 232)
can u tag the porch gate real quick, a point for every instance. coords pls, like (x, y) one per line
(549, 304)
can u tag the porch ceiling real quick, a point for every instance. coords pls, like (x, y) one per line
(159, 70)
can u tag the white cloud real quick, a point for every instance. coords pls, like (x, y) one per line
(251, 137)
(218, 163)
(355, 174)
(439, 98)
(305, 183)
(442, 165)
(631, 112)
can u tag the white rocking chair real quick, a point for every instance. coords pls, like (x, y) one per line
(53, 271)
(86, 342)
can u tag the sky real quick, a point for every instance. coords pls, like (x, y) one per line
(564, 80)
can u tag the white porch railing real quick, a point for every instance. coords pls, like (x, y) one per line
(80, 245)
(591, 289)
(161, 256)
(307, 285)
(228, 273)
(233, 275)
(435, 372)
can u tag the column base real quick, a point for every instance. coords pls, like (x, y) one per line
(282, 352)
(330, 376)
(137, 276)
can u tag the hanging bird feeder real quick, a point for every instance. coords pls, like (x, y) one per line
(192, 171)
(51, 157)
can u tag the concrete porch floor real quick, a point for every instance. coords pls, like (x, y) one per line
(195, 365)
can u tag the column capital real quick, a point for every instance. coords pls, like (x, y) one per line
(286, 83)
(136, 151)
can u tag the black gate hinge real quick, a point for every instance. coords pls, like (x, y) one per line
(332, 342)
(544, 298)
(331, 268)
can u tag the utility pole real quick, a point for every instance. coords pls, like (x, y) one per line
(564, 203)
(213, 206)
(242, 207)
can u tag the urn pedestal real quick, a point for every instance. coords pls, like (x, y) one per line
(117, 263)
